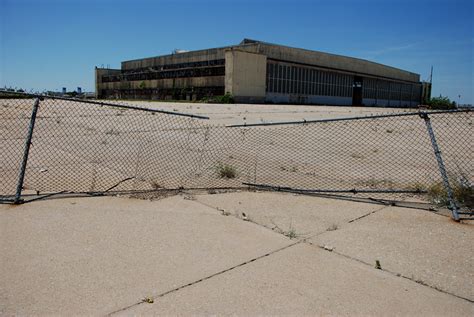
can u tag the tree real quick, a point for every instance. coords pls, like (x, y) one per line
(442, 103)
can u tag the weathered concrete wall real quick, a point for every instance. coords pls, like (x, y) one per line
(194, 56)
(245, 75)
(99, 72)
(210, 81)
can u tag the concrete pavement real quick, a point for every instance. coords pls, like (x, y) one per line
(104, 255)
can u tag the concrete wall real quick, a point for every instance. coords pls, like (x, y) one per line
(245, 75)
(210, 81)
(194, 56)
(99, 72)
(167, 84)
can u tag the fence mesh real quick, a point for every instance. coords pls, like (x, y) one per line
(91, 148)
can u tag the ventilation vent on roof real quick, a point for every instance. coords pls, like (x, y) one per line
(249, 41)
(178, 51)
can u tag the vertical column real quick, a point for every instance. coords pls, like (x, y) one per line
(21, 175)
(452, 204)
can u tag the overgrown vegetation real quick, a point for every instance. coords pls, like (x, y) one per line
(463, 193)
(441, 103)
(226, 99)
(417, 187)
(226, 171)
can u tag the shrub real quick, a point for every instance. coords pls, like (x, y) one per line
(441, 103)
(226, 171)
(463, 193)
(227, 98)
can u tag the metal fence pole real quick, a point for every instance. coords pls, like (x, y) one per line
(452, 204)
(21, 176)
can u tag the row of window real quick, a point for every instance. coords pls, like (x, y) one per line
(191, 72)
(307, 81)
(212, 62)
(287, 79)
(382, 89)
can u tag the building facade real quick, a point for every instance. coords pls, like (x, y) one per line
(259, 72)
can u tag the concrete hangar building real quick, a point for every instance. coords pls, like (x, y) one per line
(259, 72)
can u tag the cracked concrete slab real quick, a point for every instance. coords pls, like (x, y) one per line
(100, 255)
(88, 256)
(414, 243)
(305, 215)
(304, 280)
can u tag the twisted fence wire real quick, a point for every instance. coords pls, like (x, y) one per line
(89, 148)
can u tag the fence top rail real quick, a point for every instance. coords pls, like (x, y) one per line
(404, 114)
(107, 104)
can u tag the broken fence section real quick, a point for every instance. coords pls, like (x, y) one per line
(75, 146)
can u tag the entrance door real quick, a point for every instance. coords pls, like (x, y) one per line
(357, 91)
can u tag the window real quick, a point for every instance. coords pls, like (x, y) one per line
(305, 91)
(293, 79)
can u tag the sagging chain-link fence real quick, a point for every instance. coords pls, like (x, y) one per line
(94, 147)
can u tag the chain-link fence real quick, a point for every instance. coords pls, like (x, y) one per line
(93, 147)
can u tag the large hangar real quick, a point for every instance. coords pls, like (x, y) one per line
(260, 72)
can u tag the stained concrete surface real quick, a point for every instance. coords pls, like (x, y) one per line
(302, 280)
(97, 256)
(426, 247)
(303, 215)
(93, 256)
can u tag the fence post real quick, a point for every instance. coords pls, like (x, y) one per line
(21, 176)
(442, 170)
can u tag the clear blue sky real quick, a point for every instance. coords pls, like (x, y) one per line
(48, 44)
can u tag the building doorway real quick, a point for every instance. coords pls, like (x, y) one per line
(357, 91)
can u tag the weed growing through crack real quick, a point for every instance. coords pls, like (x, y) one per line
(148, 300)
(291, 233)
(226, 171)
